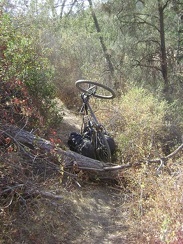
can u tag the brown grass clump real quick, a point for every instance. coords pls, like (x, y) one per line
(156, 205)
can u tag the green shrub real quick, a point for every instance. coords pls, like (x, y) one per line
(139, 120)
(23, 60)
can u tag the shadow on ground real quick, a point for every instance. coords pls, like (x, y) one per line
(90, 215)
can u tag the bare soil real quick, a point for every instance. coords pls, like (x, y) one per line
(71, 122)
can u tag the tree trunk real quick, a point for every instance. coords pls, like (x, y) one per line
(164, 68)
(104, 48)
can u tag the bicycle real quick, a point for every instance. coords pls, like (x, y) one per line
(102, 143)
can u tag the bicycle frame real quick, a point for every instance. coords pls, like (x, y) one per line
(91, 129)
(86, 107)
(97, 134)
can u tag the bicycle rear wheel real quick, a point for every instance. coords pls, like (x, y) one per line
(103, 151)
(101, 91)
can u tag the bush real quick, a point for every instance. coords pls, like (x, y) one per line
(22, 61)
(139, 119)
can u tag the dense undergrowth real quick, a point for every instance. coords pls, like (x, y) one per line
(144, 125)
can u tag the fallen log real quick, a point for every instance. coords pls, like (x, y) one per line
(73, 160)
(69, 159)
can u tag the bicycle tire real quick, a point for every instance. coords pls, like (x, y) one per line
(103, 150)
(111, 95)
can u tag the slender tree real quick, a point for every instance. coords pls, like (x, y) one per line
(104, 48)
(163, 60)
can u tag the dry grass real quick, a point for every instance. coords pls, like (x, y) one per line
(156, 206)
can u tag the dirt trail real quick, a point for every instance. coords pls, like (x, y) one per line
(93, 213)
(71, 122)
(96, 215)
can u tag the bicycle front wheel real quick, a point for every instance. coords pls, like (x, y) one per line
(101, 91)
(103, 150)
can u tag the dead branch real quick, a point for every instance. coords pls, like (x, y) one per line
(47, 194)
(165, 159)
(174, 152)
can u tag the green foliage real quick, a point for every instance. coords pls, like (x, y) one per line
(79, 48)
(25, 62)
(130, 31)
(140, 120)
(136, 45)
